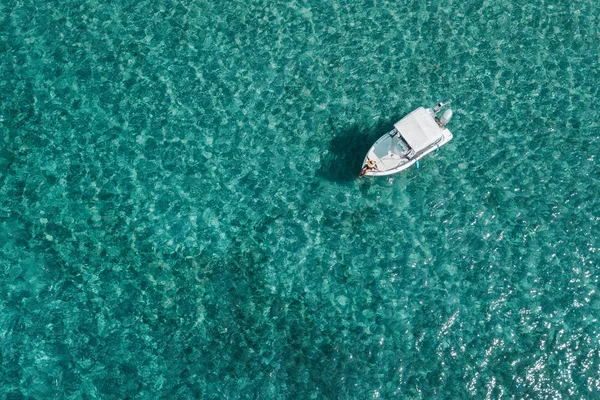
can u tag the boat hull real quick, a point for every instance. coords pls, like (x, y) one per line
(391, 157)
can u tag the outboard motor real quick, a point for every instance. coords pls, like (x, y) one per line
(441, 105)
(446, 117)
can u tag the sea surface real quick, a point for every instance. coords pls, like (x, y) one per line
(180, 216)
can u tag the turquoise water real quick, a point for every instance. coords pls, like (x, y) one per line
(180, 218)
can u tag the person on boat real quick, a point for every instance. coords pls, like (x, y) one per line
(369, 166)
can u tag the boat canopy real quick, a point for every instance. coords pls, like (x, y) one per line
(419, 129)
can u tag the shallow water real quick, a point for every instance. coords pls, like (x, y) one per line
(180, 218)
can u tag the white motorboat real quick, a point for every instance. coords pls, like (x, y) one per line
(413, 137)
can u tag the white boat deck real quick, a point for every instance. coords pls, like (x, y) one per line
(388, 152)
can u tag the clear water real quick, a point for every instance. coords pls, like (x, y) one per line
(180, 218)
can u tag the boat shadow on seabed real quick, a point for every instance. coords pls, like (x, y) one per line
(347, 150)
